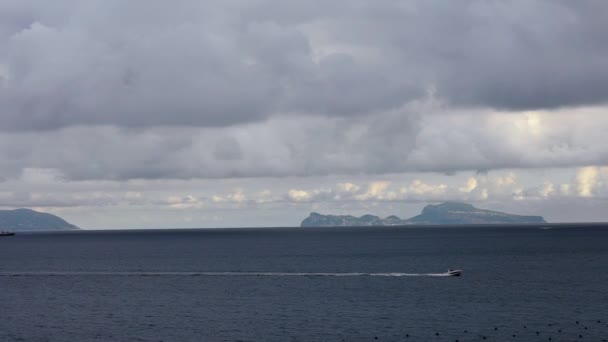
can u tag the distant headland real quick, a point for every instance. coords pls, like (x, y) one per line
(446, 213)
(21, 220)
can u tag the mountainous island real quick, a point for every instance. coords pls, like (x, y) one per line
(440, 214)
(21, 220)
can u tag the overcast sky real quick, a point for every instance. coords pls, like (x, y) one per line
(224, 113)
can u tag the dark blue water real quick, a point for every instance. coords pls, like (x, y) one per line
(306, 285)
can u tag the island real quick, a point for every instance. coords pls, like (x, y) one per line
(21, 220)
(447, 213)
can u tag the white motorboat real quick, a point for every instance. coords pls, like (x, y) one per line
(454, 273)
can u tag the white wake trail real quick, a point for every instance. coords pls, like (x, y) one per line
(220, 274)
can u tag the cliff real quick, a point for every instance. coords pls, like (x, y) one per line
(441, 214)
(20, 220)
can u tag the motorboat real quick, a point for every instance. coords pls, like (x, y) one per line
(454, 273)
(7, 233)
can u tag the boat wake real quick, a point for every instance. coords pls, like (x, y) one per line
(223, 274)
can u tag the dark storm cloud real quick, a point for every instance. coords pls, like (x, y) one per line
(221, 63)
(228, 148)
(392, 142)
(535, 55)
(115, 90)
(508, 55)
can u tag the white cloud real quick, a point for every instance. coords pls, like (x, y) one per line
(418, 187)
(547, 189)
(377, 190)
(236, 196)
(300, 195)
(184, 202)
(348, 187)
(470, 186)
(506, 181)
(587, 179)
(226, 202)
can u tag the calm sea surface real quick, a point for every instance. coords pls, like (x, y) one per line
(351, 284)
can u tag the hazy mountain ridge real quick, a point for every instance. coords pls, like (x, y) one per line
(440, 214)
(20, 220)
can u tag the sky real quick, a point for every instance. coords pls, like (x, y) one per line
(247, 113)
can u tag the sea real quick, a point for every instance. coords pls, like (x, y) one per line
(307, 284)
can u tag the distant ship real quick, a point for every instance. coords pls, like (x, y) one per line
(7, 233)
